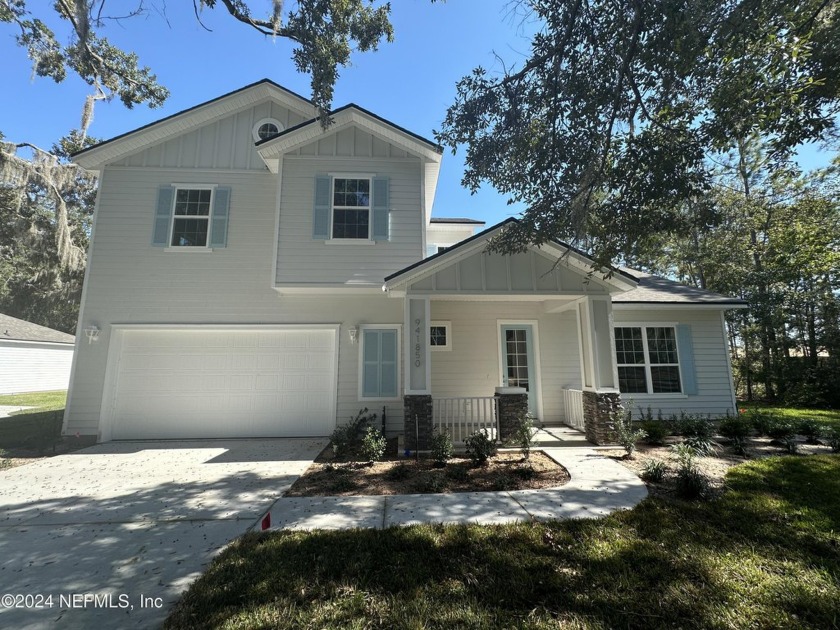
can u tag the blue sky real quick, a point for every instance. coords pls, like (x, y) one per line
(410, 82)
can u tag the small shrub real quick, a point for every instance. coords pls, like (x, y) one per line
(345, 438)
(433, 482)
(373, 445)
(656, 431)
(653, 470)
(736, 429)
(526, 472)
(833, 439)
(698, 432)
(646, 416)
(811, 430)
(400, 472)
(626, 435)
(503, 481)
(479, 447)
(781, 430)
(441, 447)
(762, 422)
(458, 473)
(690, 482)
(525, 434)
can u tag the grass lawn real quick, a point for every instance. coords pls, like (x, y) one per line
(828, 417)
(766, 554)
(43, 401)
(38, 428)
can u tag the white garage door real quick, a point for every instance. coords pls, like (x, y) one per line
(199, 383)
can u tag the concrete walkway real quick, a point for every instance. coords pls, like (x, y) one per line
(598, 486)
(7, 410)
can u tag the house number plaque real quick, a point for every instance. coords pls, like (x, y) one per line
(419, 336)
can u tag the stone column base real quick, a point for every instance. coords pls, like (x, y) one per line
(598, 408)
(417, 424)
(513, 407)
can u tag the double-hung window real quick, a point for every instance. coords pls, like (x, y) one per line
(351, 208)
(380, 363)
(191, 217)
(647, 360)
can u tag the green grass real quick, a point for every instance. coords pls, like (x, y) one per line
(828, 417)
(766, 554)
(38, 428)
(43, 401)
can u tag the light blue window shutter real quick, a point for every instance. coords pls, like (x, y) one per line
(388, 364)
(686, 352)
(219, 221)
(381, 208)
(370, 364)
(321, 213)
(163, 216)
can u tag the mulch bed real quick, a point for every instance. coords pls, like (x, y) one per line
(504, 471)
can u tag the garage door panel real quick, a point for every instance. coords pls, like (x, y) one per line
(224, 383)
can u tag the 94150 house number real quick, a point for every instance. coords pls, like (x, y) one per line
(418, 343)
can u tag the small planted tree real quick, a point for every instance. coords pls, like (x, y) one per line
(479, 447)
(627, 436)
(373, 444)
(441, 448)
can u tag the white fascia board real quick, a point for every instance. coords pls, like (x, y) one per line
(327, 289)
(166, 129)
(31, 342)
(312, 131)
(647, 306)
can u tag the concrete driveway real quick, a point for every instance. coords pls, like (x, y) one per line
(110, 536)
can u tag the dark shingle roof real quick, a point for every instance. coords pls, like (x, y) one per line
(14, 329)
(658, 290)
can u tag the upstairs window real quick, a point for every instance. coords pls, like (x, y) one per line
(191, 217)
(351, 208)
(647, 359)
(266, 128)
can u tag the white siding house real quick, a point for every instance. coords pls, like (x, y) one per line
(254, 274)
(33, 358)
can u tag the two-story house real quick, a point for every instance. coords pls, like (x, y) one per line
(252, 274)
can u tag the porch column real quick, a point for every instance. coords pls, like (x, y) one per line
(417, 375)
(599, 373)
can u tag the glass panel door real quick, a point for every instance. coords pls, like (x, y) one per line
(518, 360)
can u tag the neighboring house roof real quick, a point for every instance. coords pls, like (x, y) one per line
(454, 220)
(94, 157)
(14, 329)
(654, 289)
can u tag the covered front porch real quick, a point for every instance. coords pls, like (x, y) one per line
(489, 338)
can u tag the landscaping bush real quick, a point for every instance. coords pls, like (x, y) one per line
(503, 481)
(458, 473)
(656, 430)
(783, 434)
(697, 432)
(373, 445)
(690, 482)
(526, 472)
(811, 430)
(345, 438)
(432, 482)
(832, 436)
(441, 447)
(736, 429)
(479, 447)
(399, 472)
(625, 434)
(525, 434)
(653, 470)
(762, 422)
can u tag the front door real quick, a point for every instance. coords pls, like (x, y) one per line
(518, 366)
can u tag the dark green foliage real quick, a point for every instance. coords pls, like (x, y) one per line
(736, 429)
(458, 473)
(432, 482)
(479, 447)
(811, 430)
(697, 432)
(762, 422)
(373, 445)
(626, 435)
(656, 431)
(653, 470)
(399, 473)
(346, 438)
(441, 447)
(525, 434)
(503, 481)
(690, 482)
(832, 436)
(525, 472)
(782, 429)
(36, 430)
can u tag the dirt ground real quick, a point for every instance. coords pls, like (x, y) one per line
(714, 466)
(504, 471)
(11, 457)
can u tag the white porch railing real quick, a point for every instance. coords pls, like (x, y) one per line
(573, 401)
(463, 416)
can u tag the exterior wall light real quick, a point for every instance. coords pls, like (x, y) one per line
(92, 333)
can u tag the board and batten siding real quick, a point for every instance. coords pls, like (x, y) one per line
(301, 259)
(227, 143)
(472, 367)
(28, 366)
(130, 281)
(711, 361)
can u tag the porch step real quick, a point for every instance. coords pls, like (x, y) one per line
(559, 436)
